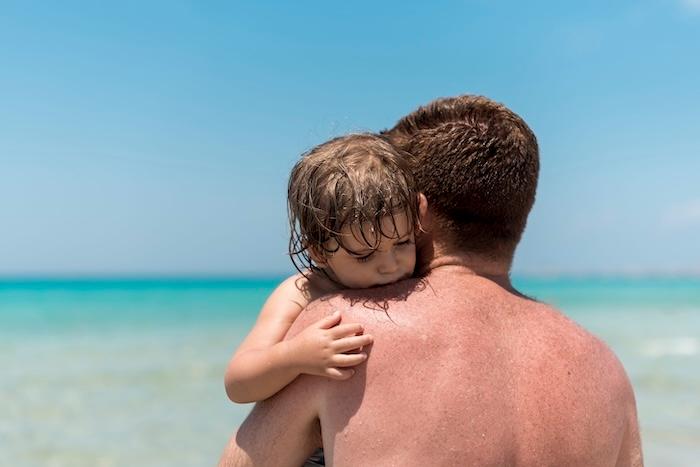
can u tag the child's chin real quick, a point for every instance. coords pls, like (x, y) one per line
(382, 284)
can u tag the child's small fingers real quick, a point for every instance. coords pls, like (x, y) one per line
(353, 342)
(329, 321)
(349, 359)
(338, 374)
(346, 330)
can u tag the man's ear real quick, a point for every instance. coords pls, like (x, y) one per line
(424, 215)
(424, 238)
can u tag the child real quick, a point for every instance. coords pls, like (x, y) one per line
(353, 215)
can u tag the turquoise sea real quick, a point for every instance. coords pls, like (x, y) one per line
(129, 372)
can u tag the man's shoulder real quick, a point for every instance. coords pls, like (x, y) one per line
(564, 330)
(572, 383)
(563, 351)
(359, 301)
(561, 338)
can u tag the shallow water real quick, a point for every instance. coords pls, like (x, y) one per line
(113, 373)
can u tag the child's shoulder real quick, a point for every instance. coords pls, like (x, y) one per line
(310, 285)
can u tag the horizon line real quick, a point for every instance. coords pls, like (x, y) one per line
(253, 276)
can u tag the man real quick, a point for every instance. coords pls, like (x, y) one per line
(464, 370)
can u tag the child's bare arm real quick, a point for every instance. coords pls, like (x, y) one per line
(265, 363)
(248, 367)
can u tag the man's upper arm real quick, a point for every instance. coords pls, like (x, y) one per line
(281, 431)
(284, 429)
(631, 449)
(616, 403)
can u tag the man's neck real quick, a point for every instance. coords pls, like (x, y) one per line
(491, 269)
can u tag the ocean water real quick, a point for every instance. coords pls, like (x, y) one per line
(129, 372)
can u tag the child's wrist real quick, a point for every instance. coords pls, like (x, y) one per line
(288, 355)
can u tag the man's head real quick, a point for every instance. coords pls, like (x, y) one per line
(477, 163)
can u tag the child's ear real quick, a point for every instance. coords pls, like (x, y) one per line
(424, 215)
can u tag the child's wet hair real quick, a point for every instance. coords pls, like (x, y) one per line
(354, 179)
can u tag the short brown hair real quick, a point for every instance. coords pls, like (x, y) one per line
(477, 163)
(358, 178)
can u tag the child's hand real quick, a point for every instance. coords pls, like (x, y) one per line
(321, 348)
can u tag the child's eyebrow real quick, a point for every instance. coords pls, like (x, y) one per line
(369, 250)
(365, 252)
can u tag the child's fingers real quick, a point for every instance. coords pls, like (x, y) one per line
(329, 321)
(338, 374)
(349, 359)
(343, 330)
(350, 343)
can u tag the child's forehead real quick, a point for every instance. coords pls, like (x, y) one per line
(357, 236)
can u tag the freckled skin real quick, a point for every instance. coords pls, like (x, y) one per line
(462, 372)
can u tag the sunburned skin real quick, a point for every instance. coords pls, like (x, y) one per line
(471, 382)
(265, 363)
(463, 370)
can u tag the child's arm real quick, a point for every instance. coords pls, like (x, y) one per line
(265, 363)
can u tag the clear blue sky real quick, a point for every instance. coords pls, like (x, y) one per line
(156, 137)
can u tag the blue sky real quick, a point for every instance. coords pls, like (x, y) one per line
(156, 137)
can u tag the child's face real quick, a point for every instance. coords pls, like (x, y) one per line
(364, 266)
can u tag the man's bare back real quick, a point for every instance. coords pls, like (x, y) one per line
(464, 372)
(463, 369)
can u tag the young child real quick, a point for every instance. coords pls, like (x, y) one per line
(353, 215)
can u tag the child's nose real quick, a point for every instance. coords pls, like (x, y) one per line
(389, 264)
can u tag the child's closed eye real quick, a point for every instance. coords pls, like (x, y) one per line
(364, 259)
